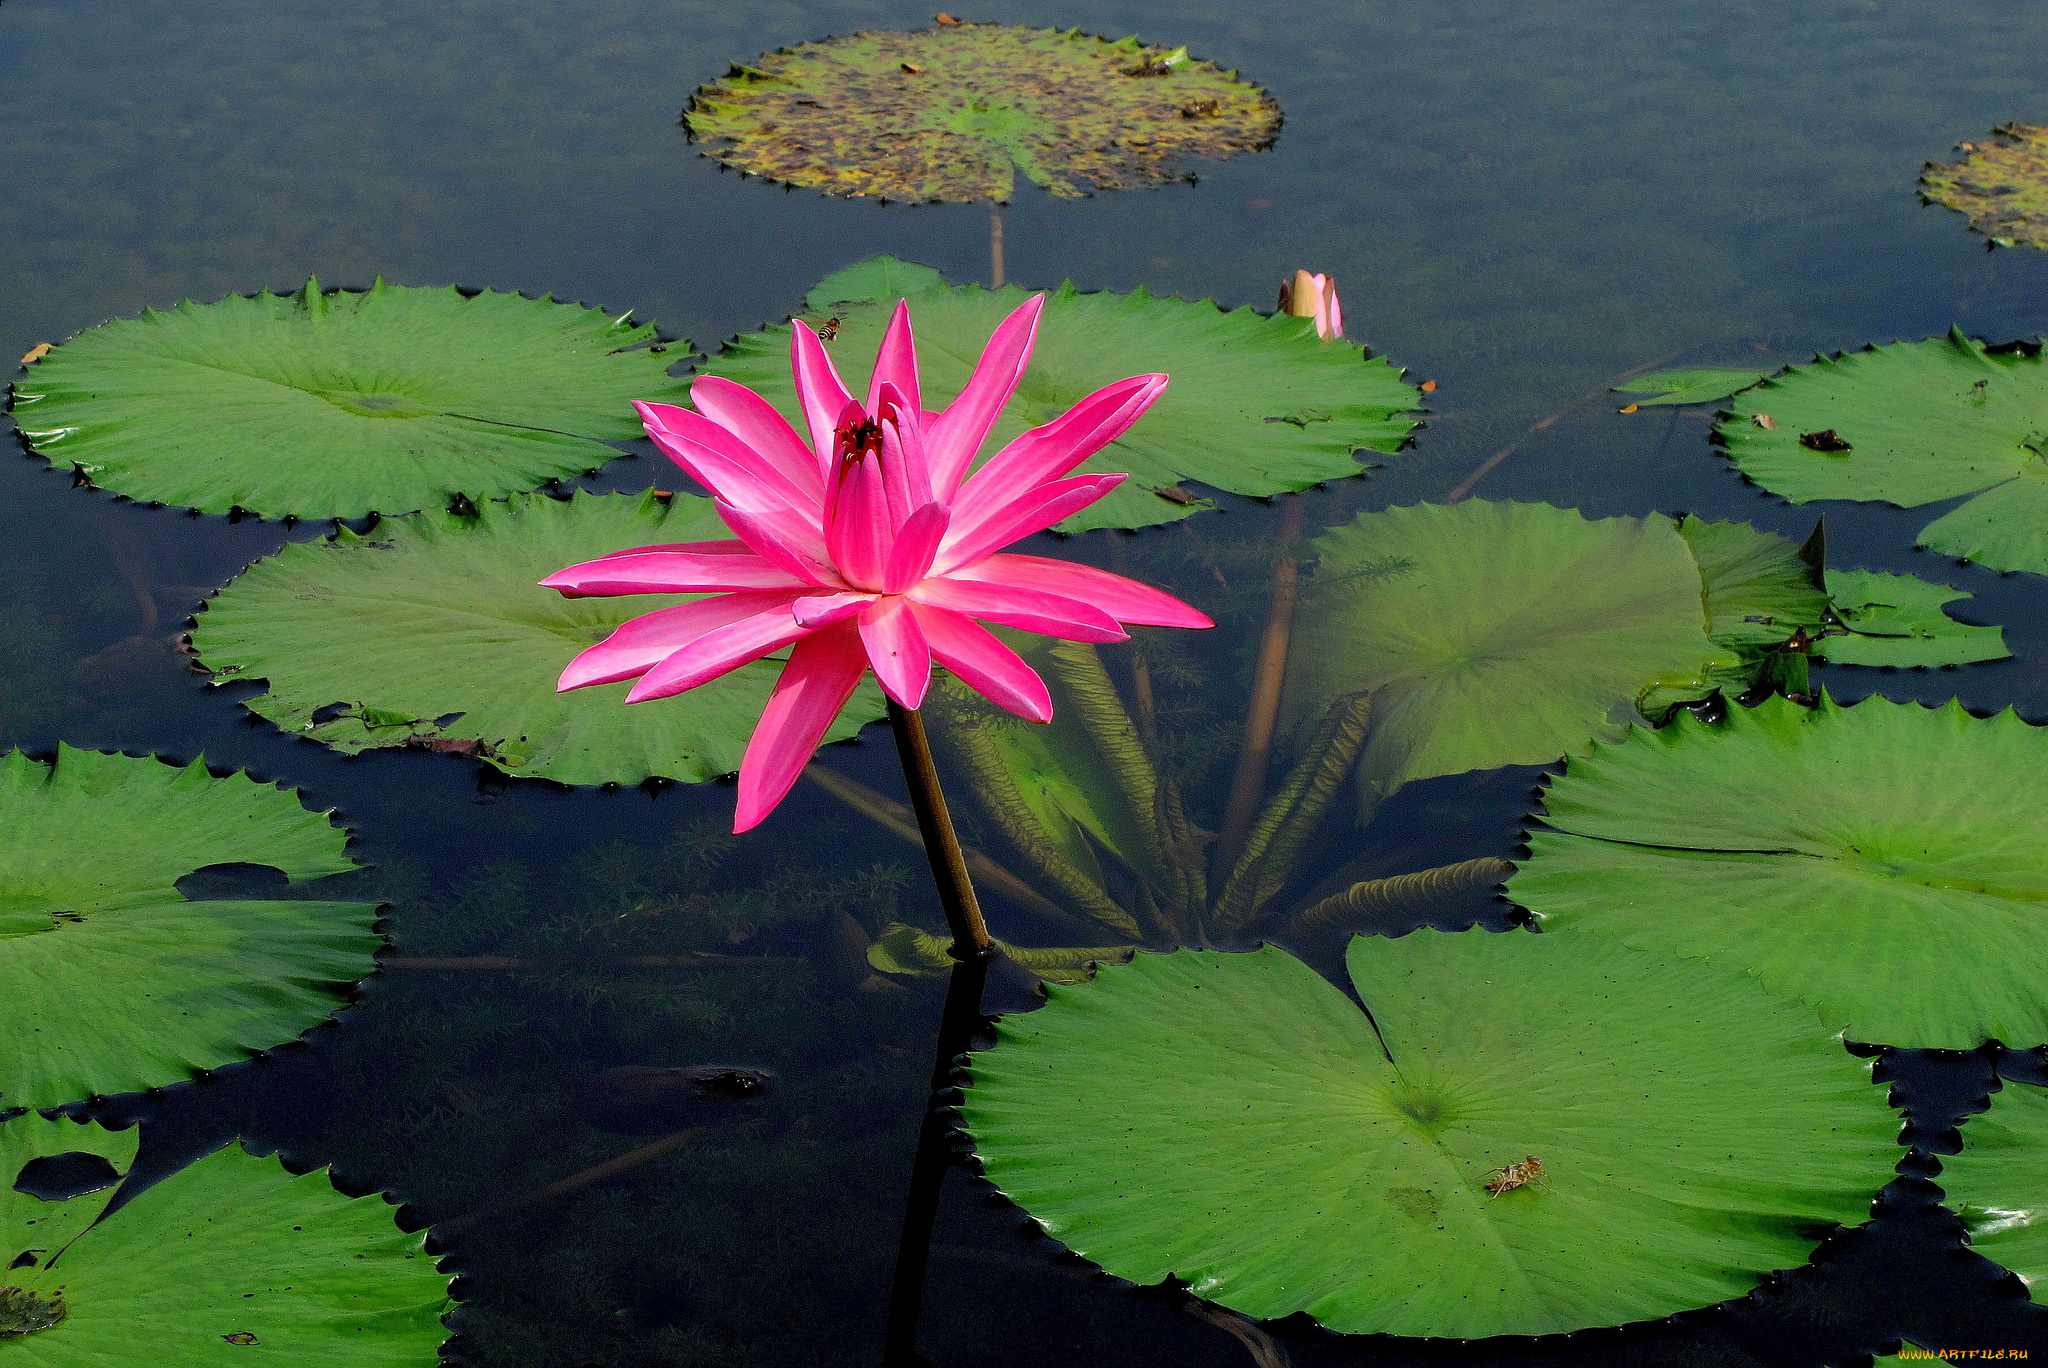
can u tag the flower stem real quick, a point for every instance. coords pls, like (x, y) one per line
(1263, 712)
(958, 1021)
(995, 247)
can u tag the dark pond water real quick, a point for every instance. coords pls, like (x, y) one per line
(1520, 201)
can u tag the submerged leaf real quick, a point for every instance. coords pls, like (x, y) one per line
(437, 622)
(2002, 185)
(230, 1250)
(1999, 1186)
(953, 113)
(911, 951)
(1235, 1121)
(1236, 376)
(1899, 620)
(110, 980)
(1912, 423)
(1515, 633)
(1689, 386)
(340, 404)
(1883, 862)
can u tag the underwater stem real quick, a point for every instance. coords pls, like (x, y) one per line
(995, 246)
(958, 1021)
(1264, 710)
(1471, 481)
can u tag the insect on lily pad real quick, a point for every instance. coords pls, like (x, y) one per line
(2002, 185)
(954, 113)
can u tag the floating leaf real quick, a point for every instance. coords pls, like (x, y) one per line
(1899, 620)
(954, 113)
(1235, 1121)
(340, 404)
(2002, 185)
(229, 1252)
(431, 632)
(1883, 861)
(1999, 1186)
(1690, 386)
(1222, 421)
(908, 950)
(1760, 587)
(110, 980)
(1922, 421)
(1513, 634)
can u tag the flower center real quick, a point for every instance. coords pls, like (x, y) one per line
(857, 438)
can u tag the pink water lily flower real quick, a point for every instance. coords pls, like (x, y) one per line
(1314, 296)
(870, 547)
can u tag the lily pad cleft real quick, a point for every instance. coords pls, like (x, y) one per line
(337, 404)
(1527, 1135)
(229, 1252)
(954, 113)
(111, 979)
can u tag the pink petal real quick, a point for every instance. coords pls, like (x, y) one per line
(917, 543)
(1033, 610)
(1126, 600)
(820, 677)
(896, 649)
(857, 526)
(822, 610)
(670, 572)
(818, 388)
(736, 476)
(719, 651)
(904, 457)
(963, 427)
(1032, 511)
(1048, 452)
(640, 644)
(1329, 313)
(896, 362)
(780, 541)
(983, 663)
(754, 421)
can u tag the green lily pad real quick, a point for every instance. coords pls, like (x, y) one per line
(1882, 861)
(2002, 185)
(1908, 424)
(432, 632)
(338, 404)
(1236, 376)
(1999, 1185)
(1760, 587)
(1235, 1121)
(1899, 620)
(953, 113)
(110, 980)
(229, 1253)
(1689, 386)
(1512, 633)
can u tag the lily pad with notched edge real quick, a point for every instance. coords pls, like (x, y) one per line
(1689, 386)
(1235, 1121)
(1899, 620)
(110, 980)
(1516, 633)
(1256, 405)
(2002, 185)
(1882, 861)
(432, 632)
(1912, 423)
(954, 113)
(230, 1253)
(338, 404)
(1999, 1184)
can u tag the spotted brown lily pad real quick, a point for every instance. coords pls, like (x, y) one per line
(954, 113)
(2002, 185)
